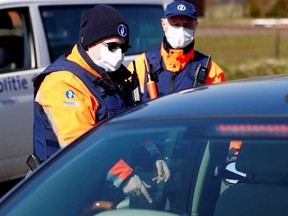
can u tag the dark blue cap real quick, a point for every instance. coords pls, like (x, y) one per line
(184, 8)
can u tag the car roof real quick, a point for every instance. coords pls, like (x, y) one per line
(261, 96)
(83, 1)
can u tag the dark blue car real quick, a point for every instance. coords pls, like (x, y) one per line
(225, 145)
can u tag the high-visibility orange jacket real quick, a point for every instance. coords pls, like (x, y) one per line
(66, 103)
(175, 69)
(69, 116)
(70, 106)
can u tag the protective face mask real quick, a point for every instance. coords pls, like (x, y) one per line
(109, 61)
(179, 37)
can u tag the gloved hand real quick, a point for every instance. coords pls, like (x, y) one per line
(136, 187)
(162, 171)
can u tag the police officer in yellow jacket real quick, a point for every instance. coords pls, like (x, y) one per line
(176, 65)
(84, 87)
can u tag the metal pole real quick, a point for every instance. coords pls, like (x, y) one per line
(277, 42)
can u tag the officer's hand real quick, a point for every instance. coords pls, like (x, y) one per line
(162, 171)
(136, 187)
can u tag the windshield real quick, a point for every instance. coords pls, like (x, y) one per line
(194, 149)
(62, 25)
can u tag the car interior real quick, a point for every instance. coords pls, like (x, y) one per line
(261, 191)
(265, 190)
(206, 181)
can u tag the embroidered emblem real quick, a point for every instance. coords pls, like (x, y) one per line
(122, 30)
(181, 7)
(70, 94)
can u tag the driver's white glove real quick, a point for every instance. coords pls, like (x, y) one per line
(136, 187)
(162, 171)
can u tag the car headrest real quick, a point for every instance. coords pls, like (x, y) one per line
(263, 159)
(6, 22)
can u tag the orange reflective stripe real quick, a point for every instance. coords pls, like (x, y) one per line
(236, 145)
(121, 169)
(215, 75)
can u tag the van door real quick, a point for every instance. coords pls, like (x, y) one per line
(16, 92)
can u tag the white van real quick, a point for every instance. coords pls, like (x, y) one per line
(33, 33)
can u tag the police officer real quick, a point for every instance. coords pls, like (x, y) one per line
(176, 65)
(84, 87)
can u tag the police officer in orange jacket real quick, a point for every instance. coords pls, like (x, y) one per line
(86, 86)
(176, 65)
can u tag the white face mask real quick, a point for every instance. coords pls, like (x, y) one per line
(109, 61)
(179, 37)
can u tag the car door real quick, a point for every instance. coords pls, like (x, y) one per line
(17, 70)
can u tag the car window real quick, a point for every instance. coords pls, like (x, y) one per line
(14, 40)
(143, 20)
(195, 150)
(84, 174)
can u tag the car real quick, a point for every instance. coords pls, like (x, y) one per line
(33, 33)
(225, 146)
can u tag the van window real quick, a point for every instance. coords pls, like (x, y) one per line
(15, 53)
(62, 25)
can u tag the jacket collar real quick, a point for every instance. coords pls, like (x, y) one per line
(176, 59)
(80, 57)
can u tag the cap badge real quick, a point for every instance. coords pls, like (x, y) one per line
(181, 7)
(122, 30)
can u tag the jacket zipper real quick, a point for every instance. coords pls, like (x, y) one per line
(172, 82)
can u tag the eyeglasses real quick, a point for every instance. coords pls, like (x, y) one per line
(113, 46)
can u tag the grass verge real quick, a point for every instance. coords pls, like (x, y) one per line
(243, 56)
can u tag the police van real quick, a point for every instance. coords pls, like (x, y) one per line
(34, 33)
